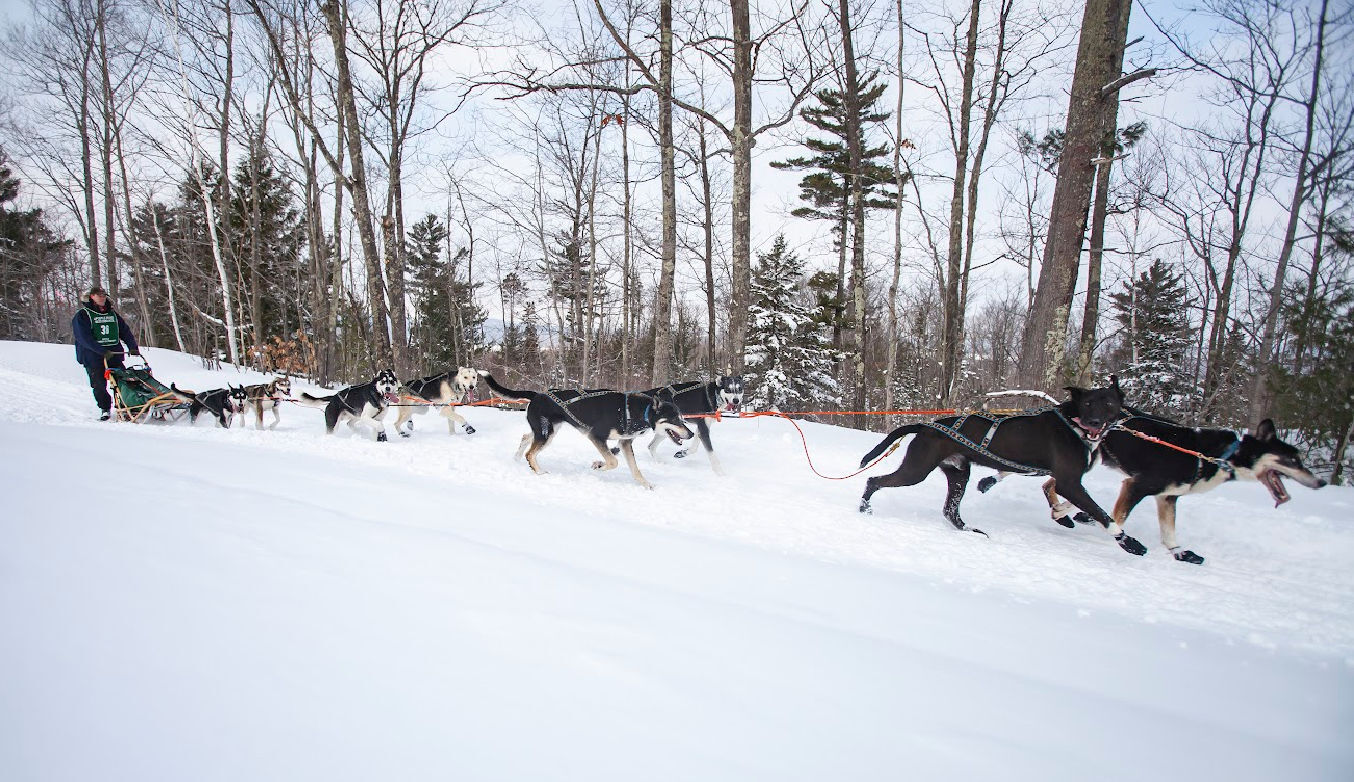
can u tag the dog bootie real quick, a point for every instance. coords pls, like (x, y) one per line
(469, 429)
(104, 416)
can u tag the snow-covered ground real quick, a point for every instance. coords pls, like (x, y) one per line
(190, 603)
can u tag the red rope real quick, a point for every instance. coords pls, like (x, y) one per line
(805, 442)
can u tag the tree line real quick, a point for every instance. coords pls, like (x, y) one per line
(972, 195)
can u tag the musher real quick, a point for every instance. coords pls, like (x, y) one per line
(99, 336)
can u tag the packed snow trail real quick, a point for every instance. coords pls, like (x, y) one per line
(195, 603)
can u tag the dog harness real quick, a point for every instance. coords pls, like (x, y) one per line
(551, 394)
(1222, 462)
(953, 432)
(675, 391)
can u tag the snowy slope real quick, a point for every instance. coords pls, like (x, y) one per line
(239, 604)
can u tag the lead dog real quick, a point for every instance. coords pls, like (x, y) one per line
(695, 398)
(268, 395)
(365, 404)
(599, 415)
(1060, 441)
(223, 403)
(446, 389)
(1155, 470)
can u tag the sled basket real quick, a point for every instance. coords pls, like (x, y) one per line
(138, 396)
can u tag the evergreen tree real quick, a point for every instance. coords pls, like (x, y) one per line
(787, 361)
(29, 252)
(827, 186)
(531, 341)
(268, 255)
(1155, 337)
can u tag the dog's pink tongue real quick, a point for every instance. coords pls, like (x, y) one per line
(470, 396)
(392, 398)
(1276, 489)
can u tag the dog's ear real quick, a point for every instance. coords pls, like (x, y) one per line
(1265, 431)
(1114, 383)
(1074, 393)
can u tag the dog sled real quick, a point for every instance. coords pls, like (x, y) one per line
(139, 397)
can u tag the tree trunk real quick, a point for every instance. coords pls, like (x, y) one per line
(662, 353)
(106, 153)
(891, 365)
(1261, 394)
(709, 210)
(741, 141)
(952, 316)
(855, 156)
(1045, 336)
(1084, 370)
(335, 17)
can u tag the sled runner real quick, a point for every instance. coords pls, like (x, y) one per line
(138, 396)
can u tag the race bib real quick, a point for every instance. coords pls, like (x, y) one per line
(105, 326)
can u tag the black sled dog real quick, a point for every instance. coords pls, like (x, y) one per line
(268, 395)
(700, 399)
(365, 404)
(223, 403)
(446, 389)
(1158, 471)
(1060, 441)
(599, 415)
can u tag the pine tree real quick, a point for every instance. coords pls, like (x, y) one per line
(787, 361)
(271, 269)
(29, 252)
(1156, 336)
(827, 186)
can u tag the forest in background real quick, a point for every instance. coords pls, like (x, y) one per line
(859, 205)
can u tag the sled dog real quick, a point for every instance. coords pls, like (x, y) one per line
(599, 415)
(1060, 441)
(694, 398)
(1155, 470)
(223, 403)
(446, 389)
(268, 396)
(365, 404)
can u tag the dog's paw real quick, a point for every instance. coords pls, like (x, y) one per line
(469, 429)
(1130, 544)
(381, 437)
(865, 507)
(1082, 517)
(404, 434)
(680, 454)
(1187, 556)
(599, 464)
(1063, 521)
(986, 484)
(615, 450)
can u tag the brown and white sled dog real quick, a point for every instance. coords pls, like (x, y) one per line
(268, 395)
(365, 404)
(1155, 470)
(447, 389)
(599, 415)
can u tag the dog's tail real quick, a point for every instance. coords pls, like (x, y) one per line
(894, 436)
(307, 400)
(503, 391)
(185, 396)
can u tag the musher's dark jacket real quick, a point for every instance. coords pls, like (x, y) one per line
(88, 350)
